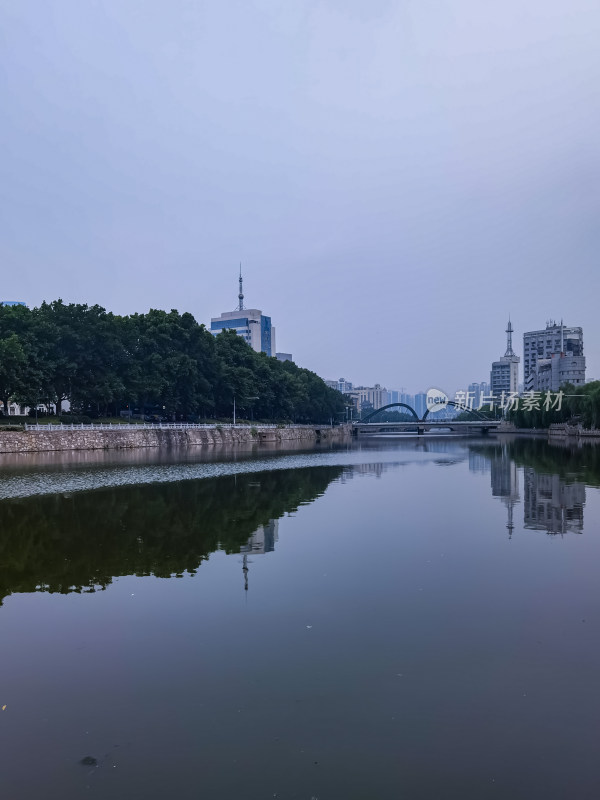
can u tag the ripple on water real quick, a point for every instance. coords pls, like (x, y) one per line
(85, 479)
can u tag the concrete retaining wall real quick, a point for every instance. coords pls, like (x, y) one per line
(44, 441)
(564, 431)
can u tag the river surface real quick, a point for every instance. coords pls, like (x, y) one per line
(411, 619)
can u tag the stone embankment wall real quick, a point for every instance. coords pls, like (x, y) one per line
(82, 439)
(508, 427)
(564, 431)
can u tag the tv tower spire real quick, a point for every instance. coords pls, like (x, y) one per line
(241, 293)
(509, 333)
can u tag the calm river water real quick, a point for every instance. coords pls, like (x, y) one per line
(412, 619)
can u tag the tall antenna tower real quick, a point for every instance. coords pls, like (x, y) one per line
(562, 337)
(241, 292)
(509, 333)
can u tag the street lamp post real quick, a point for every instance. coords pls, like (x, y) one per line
(251, 408)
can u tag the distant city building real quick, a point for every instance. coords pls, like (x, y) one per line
(341, 385)
(504, 376)
(374, 396)
(552, 357)
(409, 399)
(364, 398)
(479, 393)
(249, 323)
(13, 303)
(400, 396)
(420, 404)
(283, 356)
(371, 398)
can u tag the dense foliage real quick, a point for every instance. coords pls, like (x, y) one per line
(103, 363)
(580, 404)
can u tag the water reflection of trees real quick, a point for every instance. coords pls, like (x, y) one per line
(554, 480)
(565, 459)
(80, 542)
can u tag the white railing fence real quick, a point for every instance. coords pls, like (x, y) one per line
(109, 426)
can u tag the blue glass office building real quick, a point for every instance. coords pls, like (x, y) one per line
(251, 324)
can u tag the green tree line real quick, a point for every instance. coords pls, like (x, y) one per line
(104, 363)
(580, 404)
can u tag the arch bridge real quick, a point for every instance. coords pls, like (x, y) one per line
(479, 424)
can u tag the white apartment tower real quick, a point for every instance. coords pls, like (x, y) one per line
(553, 356)
(504, 376)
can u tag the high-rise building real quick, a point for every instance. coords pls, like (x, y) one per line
(341, 385)
(504, 376)
(371, 396)
(553, 356)
(420, 404)
(399, 396)
(363, 398)
(409, 399)
(479, 393)
(249, 323)
(474, 390)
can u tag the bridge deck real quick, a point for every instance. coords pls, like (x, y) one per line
(420, 426)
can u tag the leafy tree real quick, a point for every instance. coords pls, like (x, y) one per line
(102, 362)
(12, 363)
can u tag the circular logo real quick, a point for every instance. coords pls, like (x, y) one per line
(436, 400)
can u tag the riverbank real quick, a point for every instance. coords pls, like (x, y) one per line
(565, 431)
(557, 431)
(118, 438)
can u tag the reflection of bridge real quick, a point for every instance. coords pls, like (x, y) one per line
(479, 424)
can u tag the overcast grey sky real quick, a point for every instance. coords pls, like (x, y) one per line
(395, 176)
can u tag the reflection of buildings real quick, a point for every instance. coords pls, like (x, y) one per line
(360, 470)
(262, 541)
(478, 462)
(551, 504)
(505, 484)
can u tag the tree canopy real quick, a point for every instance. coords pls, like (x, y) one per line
(579, 404)
(104, 363)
